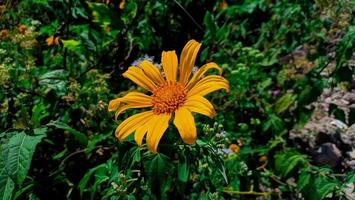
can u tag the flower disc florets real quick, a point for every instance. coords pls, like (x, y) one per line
(168, 97)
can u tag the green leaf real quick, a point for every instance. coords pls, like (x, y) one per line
(6, 186)
(56, 80)
(81, 137)
(158, 172)
(275, 123)
(303, 180)
(283, 103)
(183, 170)
(39, 111)
(54, 74)
(136, 155)
(129, 12)
(72, 45)
(326, 188)
(210, 23)
(16, 157)
(286, 162)
(60, 154)
(41, 2)
(84, 181)
(350, 177)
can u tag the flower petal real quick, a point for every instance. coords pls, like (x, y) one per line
(152, 72)
(169, 62)
(200, 72)
(207, 85)
(137, 75)
(131, 124)
(155, 132)
(142, 130)
(200, 105)
(126, 107)
(185, 123)
(132, 98)
(187, 59)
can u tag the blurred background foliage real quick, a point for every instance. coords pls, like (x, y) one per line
(61, 62)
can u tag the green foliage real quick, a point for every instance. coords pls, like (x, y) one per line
(273, 53)
(286, 162)
(16, 155)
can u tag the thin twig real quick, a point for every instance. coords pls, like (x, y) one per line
(81, 151)
(188, 14)
(130, 49)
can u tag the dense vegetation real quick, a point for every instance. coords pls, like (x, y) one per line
(61, 62)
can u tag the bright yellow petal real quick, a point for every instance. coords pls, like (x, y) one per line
(200, 72)
(50, 40)
(126, 107)
(169, 62)
(132, 98)
(142, 130)
(131, 124)
(137, 75)
(185, 123)
(200, 105)
(207, 85)
(156, 131)
(152, 72)
(114, 104)
(187, 60)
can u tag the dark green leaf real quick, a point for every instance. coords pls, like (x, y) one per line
(81, 137)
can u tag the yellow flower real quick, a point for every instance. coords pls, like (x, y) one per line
(51, 41)
(122, 4)
(234, 148)
(170, 98)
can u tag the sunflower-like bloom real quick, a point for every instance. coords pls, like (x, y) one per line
(171, 98)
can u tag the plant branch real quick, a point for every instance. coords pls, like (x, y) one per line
(231, 192)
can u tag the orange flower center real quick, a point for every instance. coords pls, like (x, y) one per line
(168, 97)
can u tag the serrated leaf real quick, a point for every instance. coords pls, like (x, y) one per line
(17, 155)
(15, 160)
(324, 186)
(303, 180)
(292, 162)
(6, 186)
(286, 162)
